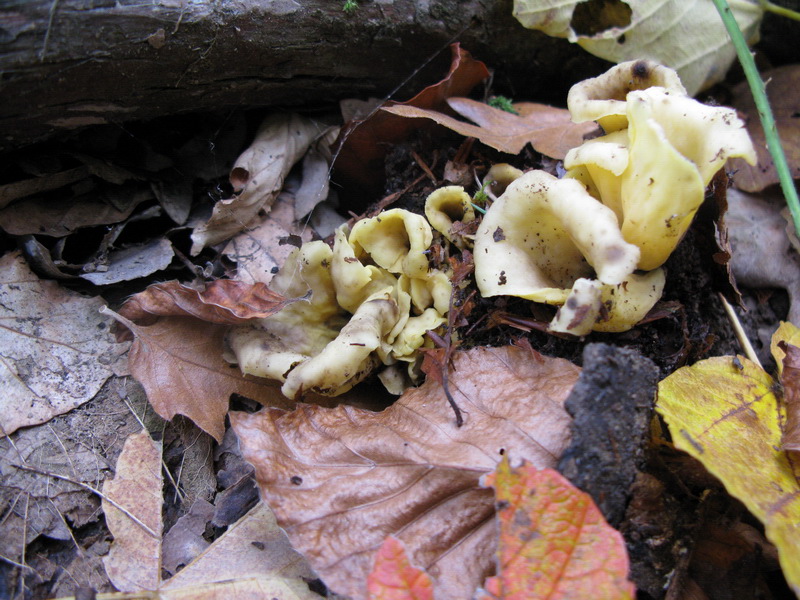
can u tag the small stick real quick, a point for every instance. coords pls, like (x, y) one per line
(85, 486)
(739, 331)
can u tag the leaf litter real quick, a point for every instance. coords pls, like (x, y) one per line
(253, 556)
(165, 317)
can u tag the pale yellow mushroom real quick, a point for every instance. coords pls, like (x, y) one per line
(357, 315)
(446, 206)
(654, 173)
(595, 306)
(350, 357)
(499, 177)
(599, 164)
(629, 302)
(603, 98)
(412, 338)
(542, 234)
(353, 281)
(271, 347)
(395, 240)
(549, 240)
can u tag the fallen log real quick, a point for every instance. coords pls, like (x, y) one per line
(70, 63)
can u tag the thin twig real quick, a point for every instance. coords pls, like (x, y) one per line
(744, 342)
(764, 111)
(50, 18)
(85, 486)
(5, 559)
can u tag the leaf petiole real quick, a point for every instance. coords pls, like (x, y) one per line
(779, 10)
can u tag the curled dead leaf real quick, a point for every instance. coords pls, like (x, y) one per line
(363, 145)
(548, 129)
(223, 301)
(258, 176)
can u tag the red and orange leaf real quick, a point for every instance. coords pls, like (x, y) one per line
(554, 542)
(394, 577)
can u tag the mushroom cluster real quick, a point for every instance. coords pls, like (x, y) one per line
(370, 300)
(593, 242)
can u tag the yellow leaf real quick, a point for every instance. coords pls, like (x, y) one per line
(724, 411)
(685, 35)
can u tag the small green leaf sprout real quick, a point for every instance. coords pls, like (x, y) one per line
(502, 103)
(350, 6)
(480, 198)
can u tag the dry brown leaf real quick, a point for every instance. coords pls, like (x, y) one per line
(258, 176)
(224, 301)
(57, 352)
(364, 144)
(62, 218)
(782, 91)
(762, 255)
(134, 560)
(548, 129)
(341, 480)
(790, 379)
(179, 361)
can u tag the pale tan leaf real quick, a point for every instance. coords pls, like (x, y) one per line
(254, 546)
(687, 35)
(179, 361)
(548, 129)
(57, 351)
(258, 176)
(134, 560)
(341, 480)
(253, 549)
(258, 252)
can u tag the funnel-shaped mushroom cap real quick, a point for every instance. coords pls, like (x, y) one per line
(602, 98)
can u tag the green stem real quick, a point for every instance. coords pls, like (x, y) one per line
(764, 111)
(779, 10)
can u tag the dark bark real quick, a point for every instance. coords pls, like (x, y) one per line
(70, 63)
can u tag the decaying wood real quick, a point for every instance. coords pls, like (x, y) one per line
(70, 63)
